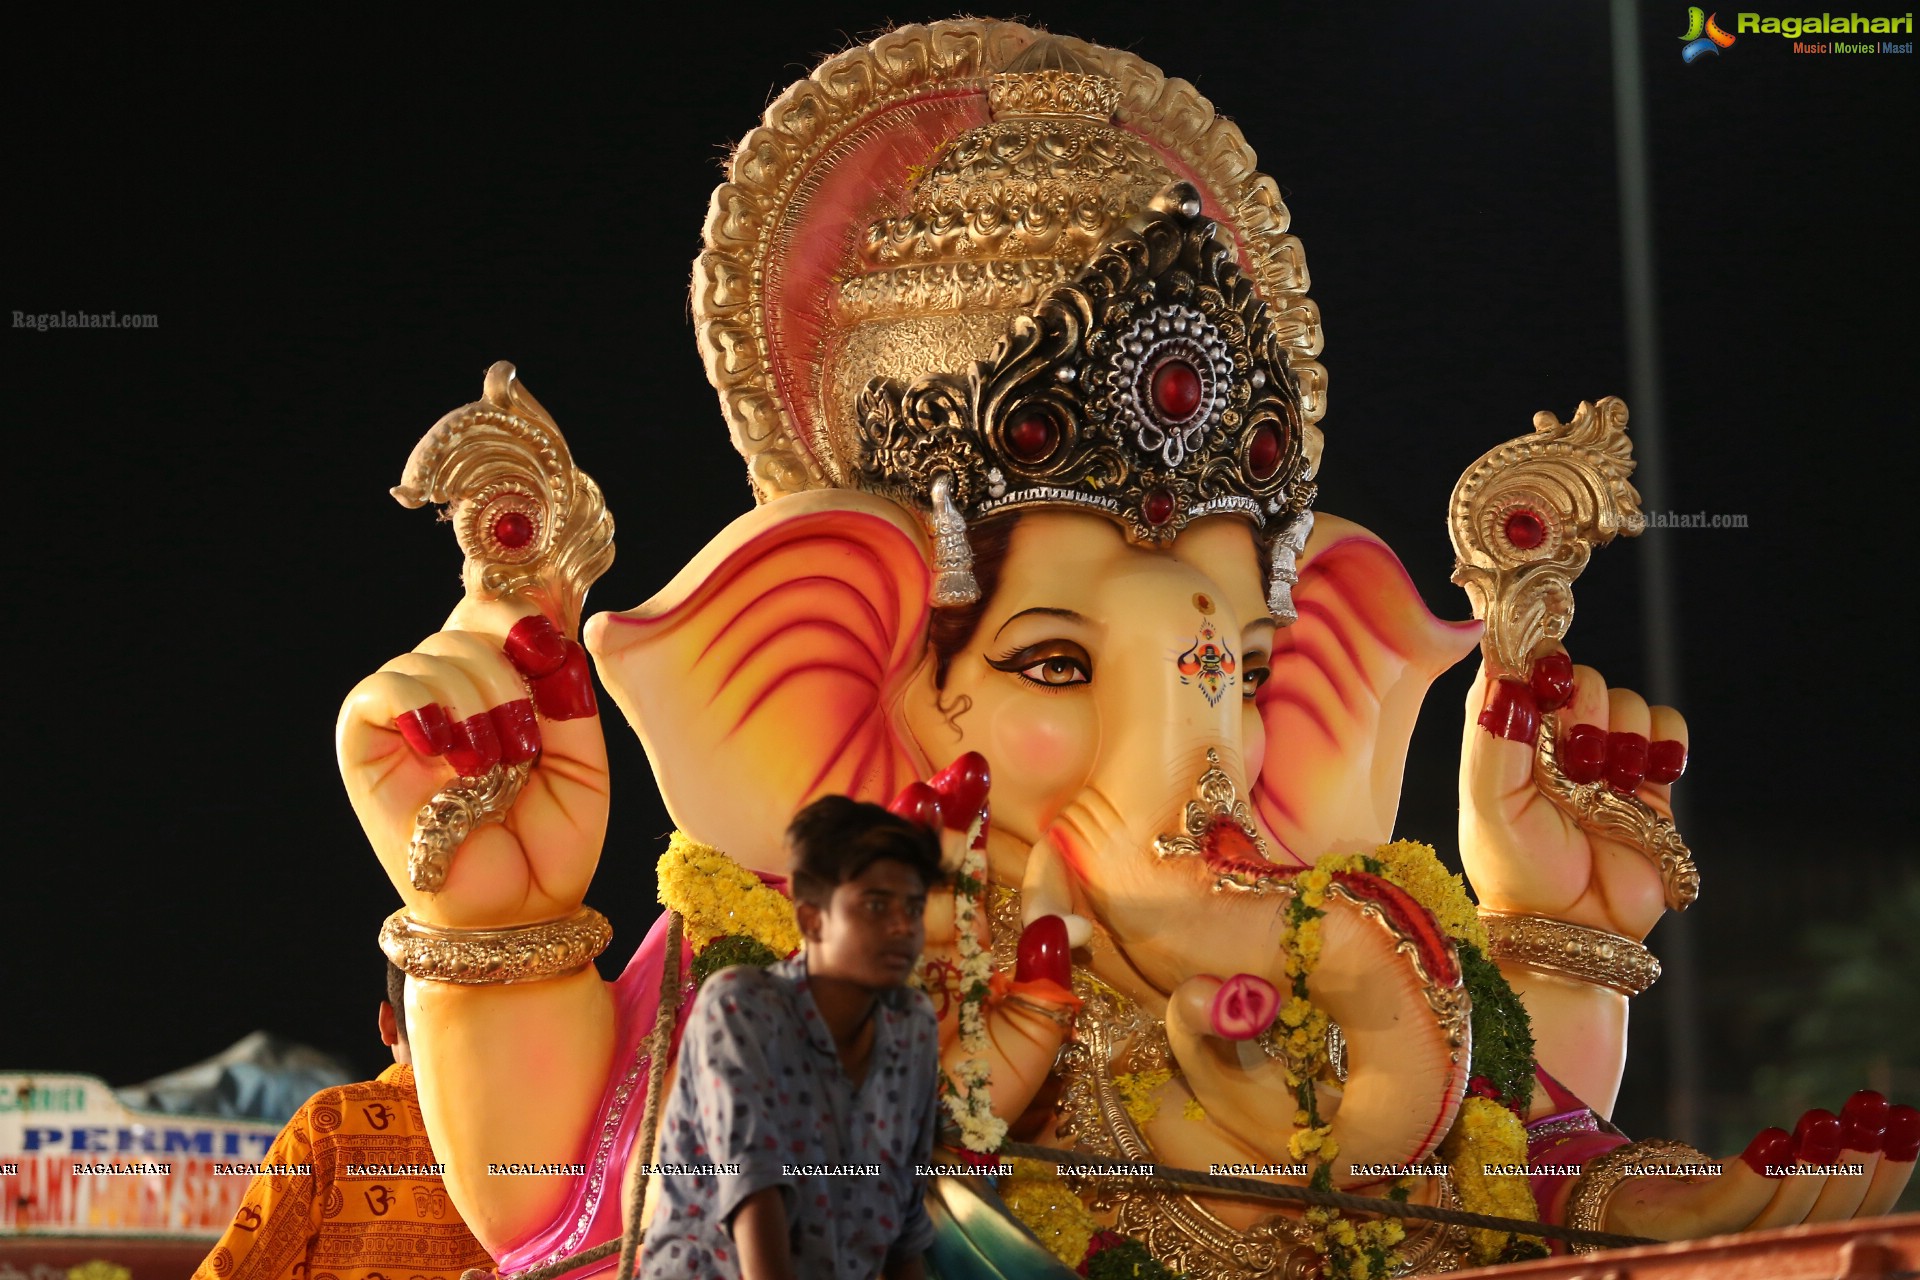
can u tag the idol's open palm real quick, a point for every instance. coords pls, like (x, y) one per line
(1523, 852)
(499, 687)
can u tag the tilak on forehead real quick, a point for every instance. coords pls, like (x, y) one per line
(1073, 289)
(1208, 662)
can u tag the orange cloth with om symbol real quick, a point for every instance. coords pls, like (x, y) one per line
(348, 1191)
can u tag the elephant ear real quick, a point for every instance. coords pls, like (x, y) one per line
(1346, 686)
(763, 675)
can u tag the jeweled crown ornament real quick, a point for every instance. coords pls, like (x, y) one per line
(980, 269)
(1150, 388)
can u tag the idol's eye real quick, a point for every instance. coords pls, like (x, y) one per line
(1254, 673)
(1057, 671)
(1051, 664)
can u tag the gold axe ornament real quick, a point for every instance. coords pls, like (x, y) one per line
(534, 528)
(1524, 520)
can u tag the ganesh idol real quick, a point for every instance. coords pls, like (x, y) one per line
(1012, 336)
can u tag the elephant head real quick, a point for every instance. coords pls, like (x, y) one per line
(1019, 353)
(799, 655)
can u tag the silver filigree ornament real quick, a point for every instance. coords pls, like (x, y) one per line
(1168, 334)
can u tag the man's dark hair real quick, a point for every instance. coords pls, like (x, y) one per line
(397, 996)
(836, 838)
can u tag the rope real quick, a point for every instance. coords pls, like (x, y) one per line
(1259, 1190)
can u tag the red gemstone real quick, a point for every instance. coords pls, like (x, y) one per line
(1666, 761)
(1900, 1141)
(513, 530)
(1263, 455)
(1033, 435)
(1176, 390)
(1158, 507)
(1863, 1120)
(1525, 529)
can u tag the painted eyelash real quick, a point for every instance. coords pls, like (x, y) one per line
(1015, 661)
(1023, 656)
(1005, 661)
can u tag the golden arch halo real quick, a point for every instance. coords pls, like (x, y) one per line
(776, 229)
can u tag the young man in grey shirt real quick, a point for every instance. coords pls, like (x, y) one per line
(808, 1091)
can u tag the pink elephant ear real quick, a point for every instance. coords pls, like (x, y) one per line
(1346, 686)
(762, 676)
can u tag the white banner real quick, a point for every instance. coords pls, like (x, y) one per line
(75, 1161)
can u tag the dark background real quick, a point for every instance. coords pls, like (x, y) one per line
(339, 227)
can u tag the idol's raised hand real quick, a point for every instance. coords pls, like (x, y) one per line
(476, 761)
(500, 691)
(494, 699)
(1523, 846)
(1564, 806)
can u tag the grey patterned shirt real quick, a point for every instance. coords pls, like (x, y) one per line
(761, 1101)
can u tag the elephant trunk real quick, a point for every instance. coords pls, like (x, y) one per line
(1198, 906)
(1392, 984)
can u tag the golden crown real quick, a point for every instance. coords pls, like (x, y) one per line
(1153, 388)
(978, 268)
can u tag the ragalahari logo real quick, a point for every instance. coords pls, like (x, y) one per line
(1698, 45)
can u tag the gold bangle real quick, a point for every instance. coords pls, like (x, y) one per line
(484, 957)
(1587, 1205)
(1571, 950)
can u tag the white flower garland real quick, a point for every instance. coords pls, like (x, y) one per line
(971, 1104)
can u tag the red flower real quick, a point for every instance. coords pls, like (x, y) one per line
(1102, 1241)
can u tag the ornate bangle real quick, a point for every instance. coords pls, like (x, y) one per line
(484, 957)
(1571, 950)
(1587, 1205)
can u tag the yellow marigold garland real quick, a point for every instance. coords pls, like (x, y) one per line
(1043, 1203)
(1300, 1033)
(1416, 868)
(717, 897)
(1487, 1133)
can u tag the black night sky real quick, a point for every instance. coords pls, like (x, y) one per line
(340, 227)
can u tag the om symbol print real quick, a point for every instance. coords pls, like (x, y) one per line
(1208, 663)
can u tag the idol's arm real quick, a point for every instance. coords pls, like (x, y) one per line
(510, 1075)
(511, 1030)
(477, 768)
(1579, 1031)
(1565, 907)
